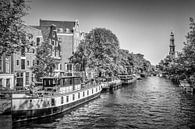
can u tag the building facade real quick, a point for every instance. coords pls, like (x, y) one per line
(64, 38)
(6, 72)
(25, 59)
(66, 35)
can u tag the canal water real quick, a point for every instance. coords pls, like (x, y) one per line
(151, 103)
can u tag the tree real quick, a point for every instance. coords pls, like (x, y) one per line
(45, 64)
(183, 67)
(12, 36)
(187, 57)
(99, 50)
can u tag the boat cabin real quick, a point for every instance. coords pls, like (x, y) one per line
(63, 84)
(125, 77)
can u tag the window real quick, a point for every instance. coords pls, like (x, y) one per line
(22, 63)
(38, 41)
(62, 100)
(1, 83)
(69, 66)
(52, 102)
(8, 83)
(78, 95)
(28, 62)
(87, 92)
(73, 97)
(92, 91)
(17, 62)
(32, 79)
(67, 98)
(60, 66)
(27, 78)
(33, 62)
(83, 93)
(65, 66)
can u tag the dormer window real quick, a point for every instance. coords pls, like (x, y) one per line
(60, 30)
(67, 30)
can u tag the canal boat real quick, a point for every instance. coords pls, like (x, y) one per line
(186, 86)
(127, 79)
(57, 95)
(111, 83)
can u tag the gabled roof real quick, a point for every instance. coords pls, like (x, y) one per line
(45, 31)
(59, 24)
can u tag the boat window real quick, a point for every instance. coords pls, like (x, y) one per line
(79, 95)
(77, 81)
(96, 89)
(83, 93)
(70, 81)
(67, 81)
(44, 82)
(49, 82)
(87, 92)
(62, 100)
(67, 98)
(52, 102)
(64, 82)
(73, 97)
(92, 91)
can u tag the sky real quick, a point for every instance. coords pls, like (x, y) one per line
(142, 26)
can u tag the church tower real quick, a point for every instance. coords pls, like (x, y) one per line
(172, 46)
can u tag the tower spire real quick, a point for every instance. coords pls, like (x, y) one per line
(172, 46)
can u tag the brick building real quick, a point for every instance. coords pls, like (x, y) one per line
(65, 36)
(6, 72)
(24, 59)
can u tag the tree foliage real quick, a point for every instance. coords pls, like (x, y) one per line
(183, 67)
(100, 51)
(12, 36)
(45, 64)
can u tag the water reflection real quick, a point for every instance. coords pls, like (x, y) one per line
(152, 103)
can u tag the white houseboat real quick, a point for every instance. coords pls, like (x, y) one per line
(58, 95)
(127, 79)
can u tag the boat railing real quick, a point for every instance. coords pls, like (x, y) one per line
(45, 93)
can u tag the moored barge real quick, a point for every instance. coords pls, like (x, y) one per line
(127, 79)
(57, 95)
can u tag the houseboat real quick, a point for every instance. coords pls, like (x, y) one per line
(186, 86)
(111, 83)
(57, 95)
(127, 79)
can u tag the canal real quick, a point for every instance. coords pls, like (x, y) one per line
(151, 103)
